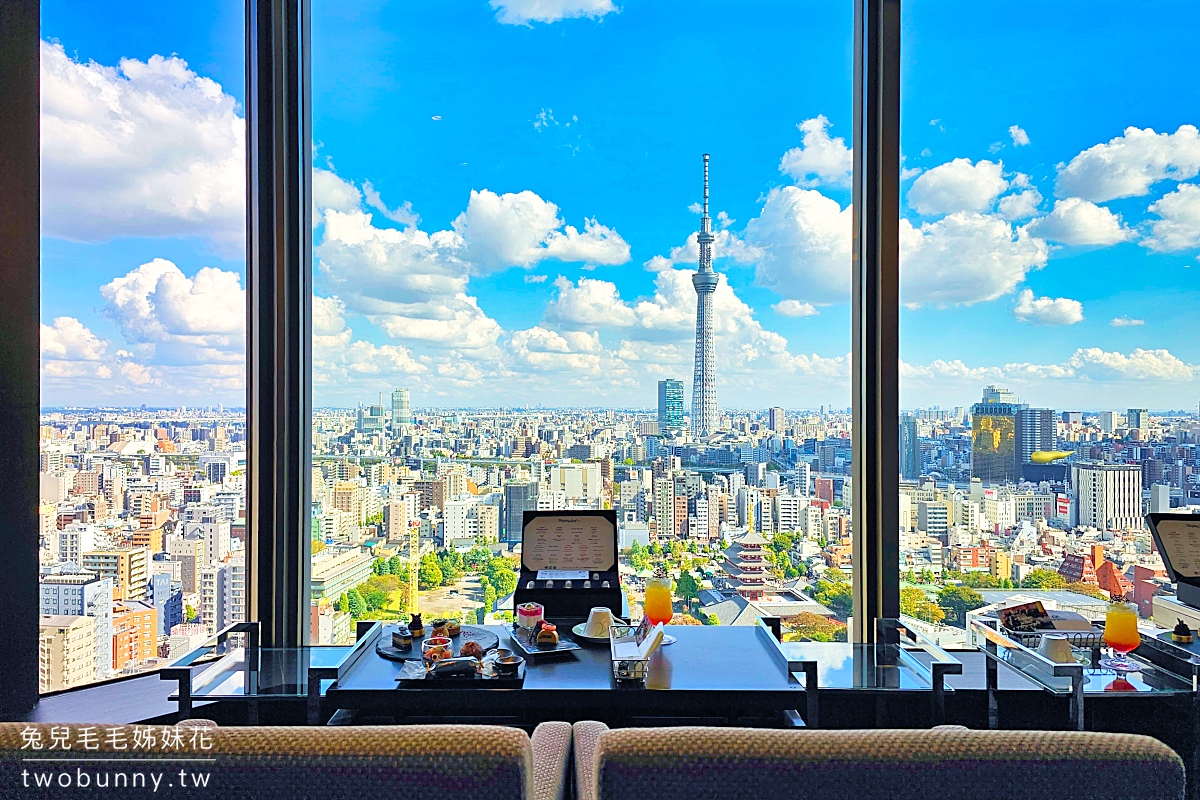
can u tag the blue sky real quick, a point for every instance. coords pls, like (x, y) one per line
(502, 201)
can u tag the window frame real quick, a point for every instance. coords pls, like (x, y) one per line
(279, 323)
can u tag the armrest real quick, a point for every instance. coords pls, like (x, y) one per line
(551, 759)
(587, 743)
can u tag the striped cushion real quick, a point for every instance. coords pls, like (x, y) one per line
(747, 764)
(357, 763)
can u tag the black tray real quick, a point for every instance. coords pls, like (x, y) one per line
(522, 644)
(487, 640)
(477, 682)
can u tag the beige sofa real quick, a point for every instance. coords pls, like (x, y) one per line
(422, 762)
(940, 764)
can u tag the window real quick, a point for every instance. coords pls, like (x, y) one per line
(507, 207)
(142, 447)
(1050, 234)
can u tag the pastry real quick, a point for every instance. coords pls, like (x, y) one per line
(1181, 633)
(472, 649)
(402, 639)
(547, 636)
(416, 627)
(438, 627)
(453, 628)
(529, 615)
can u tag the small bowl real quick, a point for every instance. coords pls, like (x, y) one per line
(435, 644)
(508, 666)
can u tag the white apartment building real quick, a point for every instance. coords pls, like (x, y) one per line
(580, 482)
(77, 538)
(1109, 495)
(223, 594)
(787, 511)
(66, 590)
(215, 535)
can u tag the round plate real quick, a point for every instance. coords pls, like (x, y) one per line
(578, 633)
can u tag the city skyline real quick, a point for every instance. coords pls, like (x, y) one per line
(544, 264)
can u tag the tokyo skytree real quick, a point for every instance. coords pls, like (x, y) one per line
(704, 385)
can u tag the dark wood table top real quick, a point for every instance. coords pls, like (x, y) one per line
(703, 659)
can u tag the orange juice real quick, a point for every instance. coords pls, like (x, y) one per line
(657, 604)
(1120, 628)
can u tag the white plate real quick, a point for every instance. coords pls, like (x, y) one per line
(578, 632)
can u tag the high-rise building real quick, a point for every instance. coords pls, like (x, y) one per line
(910, 448)
(704, 384)
(401, 413)
(66, 651)
(519, 497)
(1072, 417)
(994, 436)
(1109, 495)
(1036, 430)
(1138, 418)
(776, 419)
(670, 405)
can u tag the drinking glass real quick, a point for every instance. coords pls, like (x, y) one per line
(656, 606)
(1121, 634)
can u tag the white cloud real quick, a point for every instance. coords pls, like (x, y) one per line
(403, 214)
(593, 303)
(910, 172)
(1021, 205)
(1129, 164)
(544, 350)
(1178, 226)
(530, 278)
(957, 186)
(819, 155)
(180, 321)
(1019, 136)
(331, 192)
(523, 12)
(726, 244)
(343, 362)
(69, 340)
(804, 238)
(965, 258)
(521, 229)
(1075, 221)
(141, 149)
(794, 308)
(1126, 322)
(1047, 310)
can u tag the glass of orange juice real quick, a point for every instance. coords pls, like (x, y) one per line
(656, 606)
(1121, 634)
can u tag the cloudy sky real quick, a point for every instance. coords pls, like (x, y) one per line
(506, 197)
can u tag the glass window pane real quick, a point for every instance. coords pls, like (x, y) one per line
(1049, 240)
(509, 205)
(143, 333)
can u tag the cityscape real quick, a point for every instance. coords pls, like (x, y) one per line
(142, 513)
(507, 322)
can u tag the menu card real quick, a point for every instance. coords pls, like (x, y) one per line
(1180, 542)
(638, 646)
(564, 542)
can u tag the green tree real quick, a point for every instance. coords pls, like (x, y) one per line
(1043, 579)
(910, 576)
(429, 575)
(687, 588)
(1090, 589)
(639, 557)
(489, 596)
(926, 576)
(501, 575)
(956, 601)
(343, 603)
(915, 603)
(836, 595)
(712, 619)
(476, 559)
(379, 566)
(451, 567)
(357, 605)
(395, 565)
(807, 626)
(190, 613)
